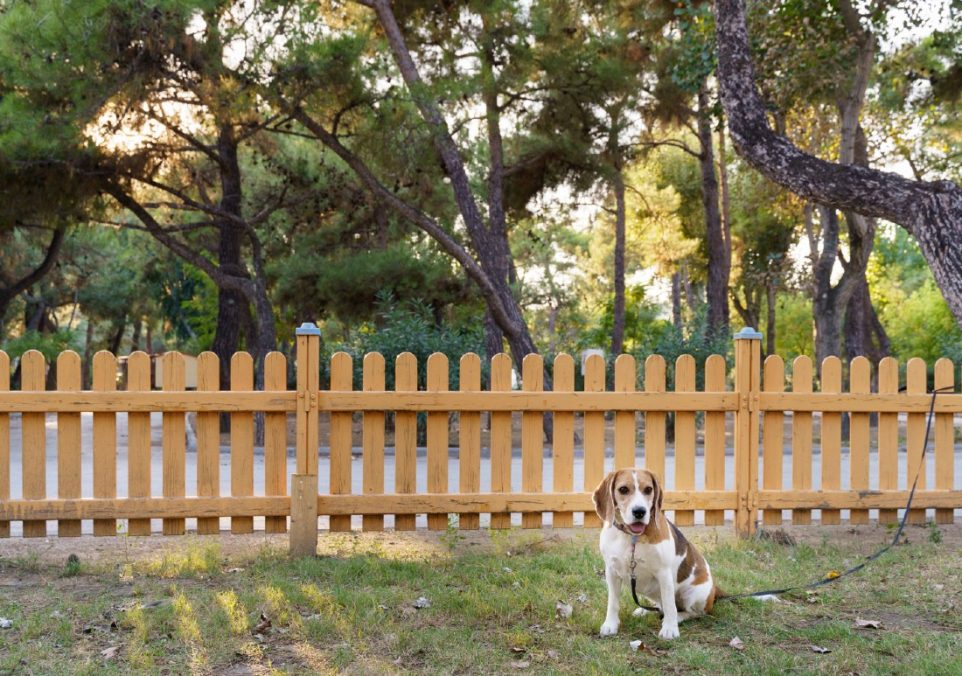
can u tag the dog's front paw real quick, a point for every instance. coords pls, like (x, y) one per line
(638, 612)
(669, 632)
(609, 628)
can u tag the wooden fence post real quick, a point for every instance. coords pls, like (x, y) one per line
(303, 537)
(747, 371)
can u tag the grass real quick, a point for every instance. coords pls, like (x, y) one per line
(492, 609)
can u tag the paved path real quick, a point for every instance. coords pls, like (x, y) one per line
(324, 465)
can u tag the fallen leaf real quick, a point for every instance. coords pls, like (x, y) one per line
(819, 649)
(737, 643)
(634, 645)
(5, 623)
(867, 624)
(582, 598)
(262, 626)
(563, 610)
(645, 648)
(234, 570)
(520, 664)
(507, 570)
(421, 602)
(110, 652)
(518, 649)
(938, 587)
(553, 654)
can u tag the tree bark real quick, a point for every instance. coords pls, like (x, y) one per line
(676, 317)
(719, 255)
(770, 327)
(618, 319)
(930, 211)
(11, 290)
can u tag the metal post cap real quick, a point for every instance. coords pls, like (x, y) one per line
(748, 333)
(307, 329)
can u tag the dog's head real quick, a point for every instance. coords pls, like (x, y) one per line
(633, 494)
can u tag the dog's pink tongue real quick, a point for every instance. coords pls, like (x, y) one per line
(637, 528)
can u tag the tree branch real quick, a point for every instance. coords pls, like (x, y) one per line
(39, 272)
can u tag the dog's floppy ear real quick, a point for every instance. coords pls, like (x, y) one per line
(658, 492)
(604, 498)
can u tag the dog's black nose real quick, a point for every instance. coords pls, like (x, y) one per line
(639, 512)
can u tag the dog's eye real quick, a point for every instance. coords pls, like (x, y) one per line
(648, 490)
(624, 490)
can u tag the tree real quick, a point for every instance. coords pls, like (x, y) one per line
(931, 211)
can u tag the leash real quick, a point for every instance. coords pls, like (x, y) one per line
(832, 576)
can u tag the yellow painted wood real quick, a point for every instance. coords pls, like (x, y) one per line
(860, 403)
(420, 503)
(802, 438)
(685, 437)
(138, 441)
(747, 363)
(625, 421)
(562, 447)
(241, 441)
(655, 420)
(372, 431)
(105, 440)
(532, 436)
(860, 377)
(773, 437)
(4, 441)
(313, 359)
(33, 374)
(888, 437)
(68, 440)
(342, 378)
(944, 439)
(715, 436)
(275, 441)
(146, 402)
(437, 437)
(405, 437)
(500, 436)
(303, 503)
(469, 438)
(594, 421)
(831, 437)
(857, 500)
(915, 382)
(208, 440)
(174, 441)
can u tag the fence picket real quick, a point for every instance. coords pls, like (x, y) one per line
(802, 438)
(342, 379)
(438, 431)
(532, 437)
(208, 440)
(105, 440)
(4, 442)
(685, 437)
(372, 432)
(773, 437)
(594, 444)
(68, 441)
(275, 440)
(860, 377)
(33, 375)
(915, 382)
(138, 440)
(655, 420)
(944, 440)
(174, 442)
(501, 437)
(715, 437)
(562, 446)
(831, 437)
(625, 421)
(405, 437)
(241, 440)
(888, 437)
(469, 438)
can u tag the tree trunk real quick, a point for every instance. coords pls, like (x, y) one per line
(493, 337)
(8, 292)
(770, 329)
(618, 323)
(676, 317)
(864, 334)
(930, 211)
(719, 255)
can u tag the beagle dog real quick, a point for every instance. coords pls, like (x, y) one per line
(669, 570)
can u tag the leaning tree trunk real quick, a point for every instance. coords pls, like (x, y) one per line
(719, 255)
(930, 211)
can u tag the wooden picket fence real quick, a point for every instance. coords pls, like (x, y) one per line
(744, 415)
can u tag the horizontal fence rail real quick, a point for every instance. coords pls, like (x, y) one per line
(457, 444)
